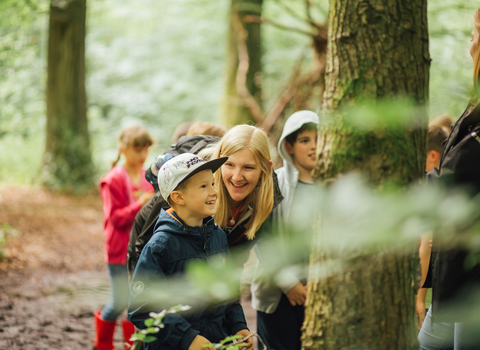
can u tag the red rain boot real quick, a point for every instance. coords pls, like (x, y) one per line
(128, 330)
(103, 333)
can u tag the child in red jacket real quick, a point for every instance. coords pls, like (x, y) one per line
(124, 191)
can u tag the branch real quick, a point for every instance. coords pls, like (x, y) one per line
(257, 19)
(290, 11)
(286, 97)
(307, 10)
(243, 63)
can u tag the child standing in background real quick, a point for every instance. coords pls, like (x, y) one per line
(280, 305)
(124, 191)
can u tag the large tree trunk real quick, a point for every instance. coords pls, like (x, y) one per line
(68, 164)
(239, 90)
(376, 49)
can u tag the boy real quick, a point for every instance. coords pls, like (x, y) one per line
(183, 233)
(280, 310)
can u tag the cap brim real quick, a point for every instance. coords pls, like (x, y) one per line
(213, 165)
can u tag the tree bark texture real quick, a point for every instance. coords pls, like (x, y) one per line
(377, 49)
(238, 106)
(68, 164)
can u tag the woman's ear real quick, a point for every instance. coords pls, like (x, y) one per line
(270, 162)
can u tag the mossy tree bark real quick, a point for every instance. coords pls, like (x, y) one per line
(243, 34)
(67, 162)
(376, 50)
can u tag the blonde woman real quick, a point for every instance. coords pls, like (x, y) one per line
(246, 184)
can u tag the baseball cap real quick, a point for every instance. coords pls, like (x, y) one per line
(182, 167)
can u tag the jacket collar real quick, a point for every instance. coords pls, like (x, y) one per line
(171, 222)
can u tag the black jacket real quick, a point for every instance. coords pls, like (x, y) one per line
(449, 276)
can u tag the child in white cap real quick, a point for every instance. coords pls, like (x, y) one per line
(183, 233)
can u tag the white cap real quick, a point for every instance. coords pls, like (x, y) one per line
(182, 167)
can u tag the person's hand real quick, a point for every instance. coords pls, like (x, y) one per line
(145, 197)
(199, 342)
(245, 333)
(297, 295)
(420, 306)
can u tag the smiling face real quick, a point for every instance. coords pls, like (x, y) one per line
(199, 196)
(240, 174)
(474, 45)
(303, 150)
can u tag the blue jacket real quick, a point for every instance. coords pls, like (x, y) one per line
(165, 256)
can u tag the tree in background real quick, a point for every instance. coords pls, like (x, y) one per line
(244, 64)
(243, 100)
(376, 50)
(67, 160)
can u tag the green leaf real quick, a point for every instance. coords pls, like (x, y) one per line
(230, 338)
(138, 336)
(149, 339)
(153, 330)
(149, 322)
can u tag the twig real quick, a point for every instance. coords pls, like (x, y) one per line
(243, 63)
(308, 12)
(249, 336)
(257, 19)
(286, 97)
(290, 11)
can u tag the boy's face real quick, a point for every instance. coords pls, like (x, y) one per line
(303, 150)
(200, 195)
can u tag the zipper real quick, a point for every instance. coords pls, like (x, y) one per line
(204, 239)
(475, 136)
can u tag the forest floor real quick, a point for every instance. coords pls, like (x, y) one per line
(52, 274)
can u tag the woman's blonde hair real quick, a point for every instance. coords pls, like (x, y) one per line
(261, 199)
(476, 57)
(135, 136)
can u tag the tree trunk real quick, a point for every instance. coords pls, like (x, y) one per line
(67, 162)
(376, 49)
(235, 110)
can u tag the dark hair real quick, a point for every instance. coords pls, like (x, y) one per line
(291, 138)
(436, 137)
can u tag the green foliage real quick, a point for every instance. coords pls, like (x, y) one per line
(154, 324)
(23, 31)
(229, 343)
(451, 74)
(160, 63)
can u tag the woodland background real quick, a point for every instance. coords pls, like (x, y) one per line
(160, 63)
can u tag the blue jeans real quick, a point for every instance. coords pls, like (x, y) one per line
(119, 292)
(448, 335)
(435, 336)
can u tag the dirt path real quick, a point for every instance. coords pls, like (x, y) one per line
(53, 276)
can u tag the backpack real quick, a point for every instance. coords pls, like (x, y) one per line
(144, 225)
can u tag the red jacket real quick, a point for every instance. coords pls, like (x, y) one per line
(120, 205)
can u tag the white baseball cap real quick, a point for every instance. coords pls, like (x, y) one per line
(182, 167)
